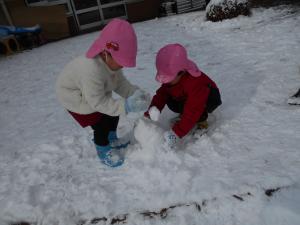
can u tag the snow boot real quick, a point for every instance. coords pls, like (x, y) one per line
(200, 128)
(202, 125)
(112, 136)
(116, 142)
(109, 156)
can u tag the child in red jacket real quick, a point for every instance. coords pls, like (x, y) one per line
(185, 89)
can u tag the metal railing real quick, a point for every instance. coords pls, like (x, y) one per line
(184, 6)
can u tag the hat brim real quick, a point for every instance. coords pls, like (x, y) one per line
(163, 78)
(193, 69)
(95, 49)
(127, 62)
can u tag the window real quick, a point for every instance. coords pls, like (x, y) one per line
(66, 3)
(89, 17)
(114, 11)
(33, 1)
(84, 4)
(109, 1)
(44, 2)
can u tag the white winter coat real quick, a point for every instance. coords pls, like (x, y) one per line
(85, 86)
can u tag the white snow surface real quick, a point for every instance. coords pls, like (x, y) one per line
(49, 170)
(154, 113)
(294, 101)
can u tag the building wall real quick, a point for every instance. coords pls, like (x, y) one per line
(52, 19)
(3, 20)
(256, 3)
(55, 24)
(143, 10)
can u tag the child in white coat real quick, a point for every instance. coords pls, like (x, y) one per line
(86, 84)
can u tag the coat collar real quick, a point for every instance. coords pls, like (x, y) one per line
(99, 59)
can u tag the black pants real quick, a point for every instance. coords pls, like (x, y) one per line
(102, 129)
(213, 101)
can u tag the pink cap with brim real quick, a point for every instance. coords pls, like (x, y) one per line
(170, 60)
(119, 39)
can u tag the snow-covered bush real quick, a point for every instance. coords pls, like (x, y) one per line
(218, 10)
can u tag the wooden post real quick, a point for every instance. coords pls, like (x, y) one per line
(7, 16)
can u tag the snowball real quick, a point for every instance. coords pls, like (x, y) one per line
(154, 113)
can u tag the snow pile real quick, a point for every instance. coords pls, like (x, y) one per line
(149, 136)
(218, 10)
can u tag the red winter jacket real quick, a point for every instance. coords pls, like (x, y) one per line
(193, 91)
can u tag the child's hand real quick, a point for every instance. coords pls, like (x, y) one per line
(143, 95)
(137, 102)
(171, 139)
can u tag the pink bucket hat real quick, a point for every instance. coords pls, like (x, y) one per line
(170, 60)
(119, 39)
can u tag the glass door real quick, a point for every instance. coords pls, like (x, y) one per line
(112, 9)
(92, 13)
(87, 13)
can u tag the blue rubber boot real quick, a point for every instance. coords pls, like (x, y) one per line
(112, 136)
(116, 142)
(109, 156)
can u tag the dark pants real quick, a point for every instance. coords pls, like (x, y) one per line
(102, 129)
(213, 101)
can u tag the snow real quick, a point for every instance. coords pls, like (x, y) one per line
(294, 101)
(218, 2)
(49, 170)
(154, 113)
(225, 3)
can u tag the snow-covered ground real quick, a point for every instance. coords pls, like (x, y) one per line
(49, 171)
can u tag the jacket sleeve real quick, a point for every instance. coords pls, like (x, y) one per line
(193, 109)
(93, 90)
(159, 99)
(124, 87)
